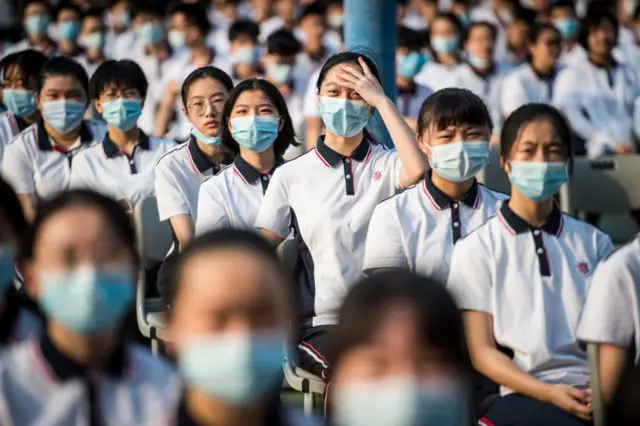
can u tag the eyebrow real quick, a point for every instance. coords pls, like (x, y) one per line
(249, 106)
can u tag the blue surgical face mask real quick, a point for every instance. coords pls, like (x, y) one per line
(235, 369)
(254, 132)
(37, 25)
(64, 116)
(444, 44)
(399, 401)
(459, 161)
(538, 181)
(244, 55)
(479, 63)
(568, 27)
(7, 272)
(68, 30)
(19, 102)
(344, 117)
(280, 73)
(87, 300)
(125, 19)
(336, 20)
(122, 113)
(94, 41)
(207, 140)
(464, 19)
(177, 39)
(150, 33)
(410, 65)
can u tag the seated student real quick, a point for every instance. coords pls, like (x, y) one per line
(67, 28)
(19, 79)
(391, 362)
(533, 81)
(81, 265)
(521, 280)
(312, 27)
(328, 194)
(258, 129)
(409, 62)
(37, 162)
(243, 50)
(92, 38)
(122, 166)
(36, 19)
(516, 47)
(563, 16)
(418, 228)
(610, 317)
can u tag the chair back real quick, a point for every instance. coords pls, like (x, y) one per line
(154, 237)
(493, 176)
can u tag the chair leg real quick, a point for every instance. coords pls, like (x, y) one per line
(309, 403)
(155, 346)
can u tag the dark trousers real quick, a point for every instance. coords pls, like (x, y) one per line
(520, 410)
(312, 350)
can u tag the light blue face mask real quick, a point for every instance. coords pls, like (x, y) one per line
(245, 56)
(399, 401)
(19, 102)
(464, 19)
(122, 113)
(150, 33)
(94, 41)
(87, 300)
(568, 27)
(538, 181)
(7, 272)
(479, 63)
(410, 65)
(177, 39)
(336, 20)
(344, 117)
(69, 30)
(64, 116)
(125, 19)
(280, 73)
(254, 132)
(37, 25)
(443, 44)
(207, 140)
(459, 161)
(235, 369)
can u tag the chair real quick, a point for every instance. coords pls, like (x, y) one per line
(493, 176)
(593, 356)
(154, 241)
(298, 379)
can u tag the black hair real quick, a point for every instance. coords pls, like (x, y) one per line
(29, 62)
(115, 216)
(436, 316)
(286, 136)
(195, 14)
(409, 38)
(538, 29)
(94, 12)
(563, 4)
(11, 211)
(345, 58)
(594, 20)
(124, 74)
(315, 8)
(533, 112)
(522, 14)
(149, 7)
(63, 66)
(479, 24)
(244, 27)
(205, 72)
(283, 42)
(453, 19)
(598, 6)
(453, 107)
(636, 13)
(64, 5)
(27, 3)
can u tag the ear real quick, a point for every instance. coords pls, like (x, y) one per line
(98, 106)
(423, 148)
(281, 123)
(185, 112)
(504, 163)
(36, 100)
(30, 285)
(228, 120)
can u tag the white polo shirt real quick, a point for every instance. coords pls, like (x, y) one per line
(418, 228)
(10, 125)
(40, 385)
(33, 163)
(524, 85)
(107, 169)
(328, 199)
(612, 312)
(533, 281)
(233, 197)
(434, 75)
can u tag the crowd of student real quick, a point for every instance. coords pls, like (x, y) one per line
(249, 124)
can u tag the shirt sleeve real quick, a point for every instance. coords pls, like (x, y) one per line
(211, 213)
(275, 211)
(384, 247)
(605, 245)
(17, 167)
(171, 201)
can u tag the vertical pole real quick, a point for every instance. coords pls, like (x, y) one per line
(370, 26)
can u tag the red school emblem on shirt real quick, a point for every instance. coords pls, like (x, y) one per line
(583, 267)
(377, 175)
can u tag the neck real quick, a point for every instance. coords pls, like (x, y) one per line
(481, 71)
(65, 139)
(447, 59)
(30, 119)
(39, 40)
(314, 50)
(95, 55)
(542, 69)
(126, 140)
(86, 351)
(605, 60)
(214, 153)
(404, 83)
(67, 47)
(453, 190)
(244, 71)
(342, 145)
(207, 411)
(202, 55)
(535, 214)
(263, 161)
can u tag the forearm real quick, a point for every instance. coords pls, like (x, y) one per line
(163, 116)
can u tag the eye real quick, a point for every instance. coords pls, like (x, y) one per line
(356, 96)
(198, 104)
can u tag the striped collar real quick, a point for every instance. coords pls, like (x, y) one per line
(331, 158)
(111, 149)
(200, 162)
(44, 142)
(441, 201)
(516, 225)
(250, 174)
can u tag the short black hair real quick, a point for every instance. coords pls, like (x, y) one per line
(11, 211)
(286, 136)
(315, 8)
(29, 62)
(538, 28)
(64, 5)
(205, 72)
(94, 12)
(410, 38)
(283, 42)
(149, 7)
(523, 14)
(195, 14)
(124, 74)
(479, 24)
(563, 4)
(453, 19)
(453, 107)
(27, 3)
(244, 27)
(593, 20)
(63, 66)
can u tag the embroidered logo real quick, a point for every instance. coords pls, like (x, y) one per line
(377, 175)
(583, 267)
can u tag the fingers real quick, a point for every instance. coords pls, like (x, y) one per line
(347, 77)
(577, 394)
(351, 70)
(365, 67)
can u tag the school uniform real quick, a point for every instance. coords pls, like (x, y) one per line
(17, 323)
(410, 101)
(34, 164)
(525, 85)
(328, 200)
(434, 75)
(233, 197)
(418, 228)
(598, 103)
(295, 104)
(533, 282)
(39, 385)
(90, 66)
(10, 125)
(126, 177)
(611, 315)
(25, 44)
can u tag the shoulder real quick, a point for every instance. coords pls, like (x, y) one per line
(28, 136)
(215, 182)
(489, 194)
(161, 144)
(170, 158)
(570, 71)
(296, 165)
(480, 237)
(97, 127)
(422, 91)
(574, 225)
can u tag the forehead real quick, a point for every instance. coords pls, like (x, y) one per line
(539, 131)
(68, 14)
(442, 24)
(77, 225)
(332, 75)
(253, 97)
(480, 31)
(35, 8)
(61, 82)
(206, 87)
(398, 328)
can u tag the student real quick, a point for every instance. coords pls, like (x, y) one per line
(258, 129)
(598, 94)
(391, 364)
(122, 166)
(420, 226)
(533, 81)
(312, 26)
(37, 162)
(516, 51)
(285, 14)
(334, 14)
(230, 330)
(19, 79)
(563, 16)
(610, 317)
(81, 266)
(67, 18)
(328, 194)
(409, 62)
(243, 50)
(36, 21)
(521, 279)
(92, 38)
(499, 13)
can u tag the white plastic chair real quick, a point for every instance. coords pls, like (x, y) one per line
(593, 356)
(154, 241)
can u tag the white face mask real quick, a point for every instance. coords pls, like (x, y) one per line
(459, 161)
